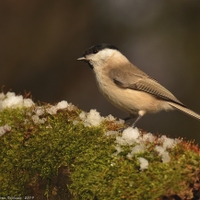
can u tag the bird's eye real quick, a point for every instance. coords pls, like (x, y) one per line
(95, 51)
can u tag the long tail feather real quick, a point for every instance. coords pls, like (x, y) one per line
(185, 110)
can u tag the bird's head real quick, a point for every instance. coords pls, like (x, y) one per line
(98, 55)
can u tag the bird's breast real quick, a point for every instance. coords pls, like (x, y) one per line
(115, 95)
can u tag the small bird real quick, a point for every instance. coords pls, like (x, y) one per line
(126, 86)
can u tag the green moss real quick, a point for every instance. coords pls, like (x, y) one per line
(33, 156)
(33, 150)
(107, 177)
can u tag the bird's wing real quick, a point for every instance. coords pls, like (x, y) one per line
(130, 77)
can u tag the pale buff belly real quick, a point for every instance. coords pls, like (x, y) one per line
(131, 101)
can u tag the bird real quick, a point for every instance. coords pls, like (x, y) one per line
(126, 86)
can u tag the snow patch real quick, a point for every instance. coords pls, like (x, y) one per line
(10, 100)
(129, 136)
(92, 118)
(139, 148)
(140, 143)
(52, 110)
(4, 129)
(144, 164)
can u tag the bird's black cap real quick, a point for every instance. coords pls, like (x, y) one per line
(96, 48)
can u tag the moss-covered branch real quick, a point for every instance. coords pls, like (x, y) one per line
(58, 152)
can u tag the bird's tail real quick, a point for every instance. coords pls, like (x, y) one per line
(185, 110)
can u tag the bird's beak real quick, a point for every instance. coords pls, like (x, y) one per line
(81, 59)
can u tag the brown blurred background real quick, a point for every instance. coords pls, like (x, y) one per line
(40, 41)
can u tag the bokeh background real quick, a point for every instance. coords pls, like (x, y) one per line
(40, 41)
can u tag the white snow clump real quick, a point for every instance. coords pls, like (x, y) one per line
(92, 118)
(143, 163)
(59, 106)
(37, 120)
(10, 100)
(140, 142)
(4, 129)
(129, 136)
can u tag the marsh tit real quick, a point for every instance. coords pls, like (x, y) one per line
(126, 86)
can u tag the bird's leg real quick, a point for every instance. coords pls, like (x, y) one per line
(137, 119)
(126, 119)
(140, 114)
(131, 117)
